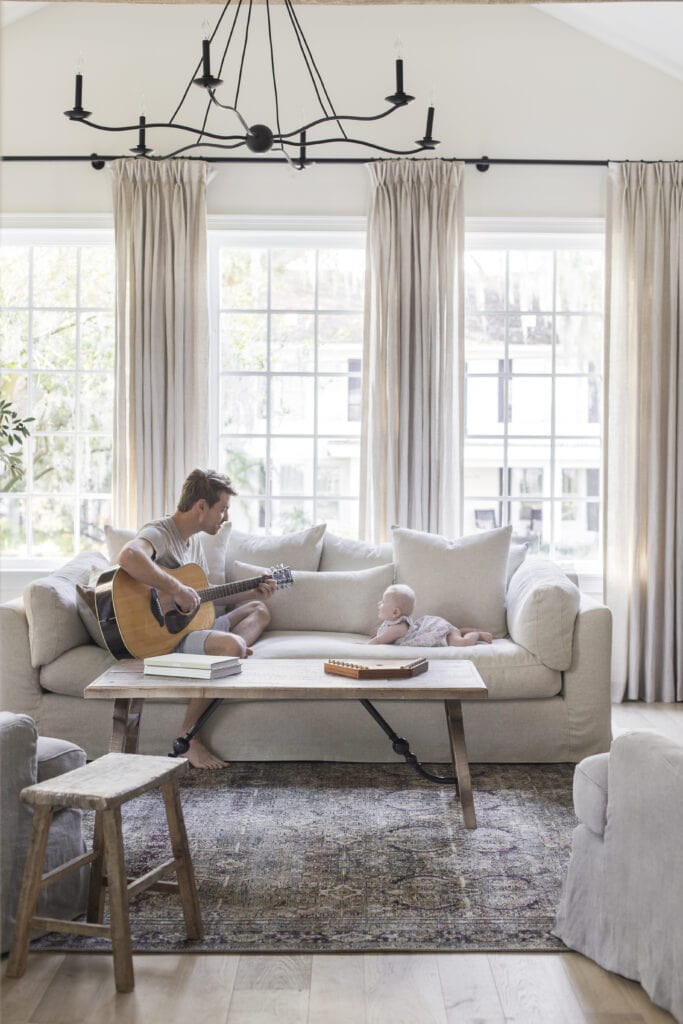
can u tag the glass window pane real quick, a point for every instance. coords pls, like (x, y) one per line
(579, 344)
(54, 464)
(292, 279)
(94, 513)
(341, 516)
(529, 466)
(97, 341)
(96, 464)
(290, 515)
(576, 530)
(244, 461)
(292, 343)
(13, 340)
(482, 514)
(531, 280)
(97, 276)
(243, 405)
(13, 526)
(54, 340)
(96, 398)
(484, 340)
(341, 278)
(530, 405)
(53, 526)
(485, 405)
(244, 278)
(292, 466)
(531, 344)
(292, 404)
(14, 275)
(244, 341)
(53, 401)
(248, 514)
(337, 402)
(580, 280)
(578, 467)
(340, 340)
(338, 467)
(578, 405)
(531, 525)
(483, 468)
(485, 280)
(54, 275)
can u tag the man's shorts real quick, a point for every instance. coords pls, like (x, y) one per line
(193, 643)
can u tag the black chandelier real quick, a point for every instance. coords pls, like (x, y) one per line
(259, 138)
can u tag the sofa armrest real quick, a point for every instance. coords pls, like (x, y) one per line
(19, 681)
(586, 685)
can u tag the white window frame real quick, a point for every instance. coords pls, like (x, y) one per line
(264, 233)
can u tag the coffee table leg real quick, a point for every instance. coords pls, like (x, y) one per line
(456, 733)
(126, 725)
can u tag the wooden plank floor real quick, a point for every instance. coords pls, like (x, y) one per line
(444, 988)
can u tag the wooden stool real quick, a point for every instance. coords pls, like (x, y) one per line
(103, 786)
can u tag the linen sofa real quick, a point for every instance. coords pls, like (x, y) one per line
(622, 899)
(26, 758)
(548, 669)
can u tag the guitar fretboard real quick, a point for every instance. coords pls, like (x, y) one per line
(227, 589)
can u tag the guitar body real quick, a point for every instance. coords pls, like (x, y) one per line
(138, 622)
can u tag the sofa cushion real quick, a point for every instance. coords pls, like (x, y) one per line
(300, 550)
(71, 672)
(463, 580)
(590, 792)
(340, 553)
(214, 548)
(51, 603)
(344, 602)
(542, 604)
(518, 553)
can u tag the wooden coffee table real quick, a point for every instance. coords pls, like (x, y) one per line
(302, 679)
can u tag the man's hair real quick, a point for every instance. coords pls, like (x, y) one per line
(404, 596)
(204, 484)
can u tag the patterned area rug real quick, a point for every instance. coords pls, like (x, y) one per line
(338, 857)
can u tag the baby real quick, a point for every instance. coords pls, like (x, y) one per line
(397, 627)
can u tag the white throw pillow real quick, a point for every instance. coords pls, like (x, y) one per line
(51, 603)
(116, 538)
(542, 605)
(340, 554)
(300, 550)
(332, 602)
(463, 580)
(518, 553)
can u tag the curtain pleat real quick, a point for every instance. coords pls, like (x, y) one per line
(644, 429)
(411, 443)
(160, 428)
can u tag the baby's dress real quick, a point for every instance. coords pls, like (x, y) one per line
(427, 631)
(388, 623)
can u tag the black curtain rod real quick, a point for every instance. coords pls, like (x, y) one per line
(482, 163)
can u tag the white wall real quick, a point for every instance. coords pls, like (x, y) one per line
(508, 81)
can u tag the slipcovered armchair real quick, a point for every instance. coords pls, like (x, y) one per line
(26, 758)
(622, 901)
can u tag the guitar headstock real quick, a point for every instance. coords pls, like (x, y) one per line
(282, 575)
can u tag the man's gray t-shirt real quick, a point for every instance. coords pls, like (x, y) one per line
(170, 550)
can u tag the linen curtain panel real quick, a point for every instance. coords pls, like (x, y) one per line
(162, 345)
(644, 432)
(411, 439)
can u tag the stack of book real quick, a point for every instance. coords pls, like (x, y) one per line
(192, 666)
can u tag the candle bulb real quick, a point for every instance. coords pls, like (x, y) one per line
(206, 58)
(78, 99)
(399, 75)
(430, 122)
(142, 122)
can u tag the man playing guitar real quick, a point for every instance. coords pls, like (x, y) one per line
(171, 542)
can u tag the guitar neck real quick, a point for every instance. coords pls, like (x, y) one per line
(228, 589)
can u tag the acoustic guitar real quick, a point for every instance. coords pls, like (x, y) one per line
(138, 622)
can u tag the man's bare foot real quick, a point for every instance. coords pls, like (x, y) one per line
(200, 757)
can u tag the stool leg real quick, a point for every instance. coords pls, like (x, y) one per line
(95, 887)
(184, 869)
(30, 890)
(118, 900)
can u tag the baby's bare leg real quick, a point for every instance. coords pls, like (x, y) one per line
(456, 639)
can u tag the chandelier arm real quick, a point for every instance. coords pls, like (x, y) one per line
(357, 142)
(305, 51)
(199, 64)
(199, 145)
(272, 68)
(226, 106)
(341, 117)
(244, 52)
(159, 124)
